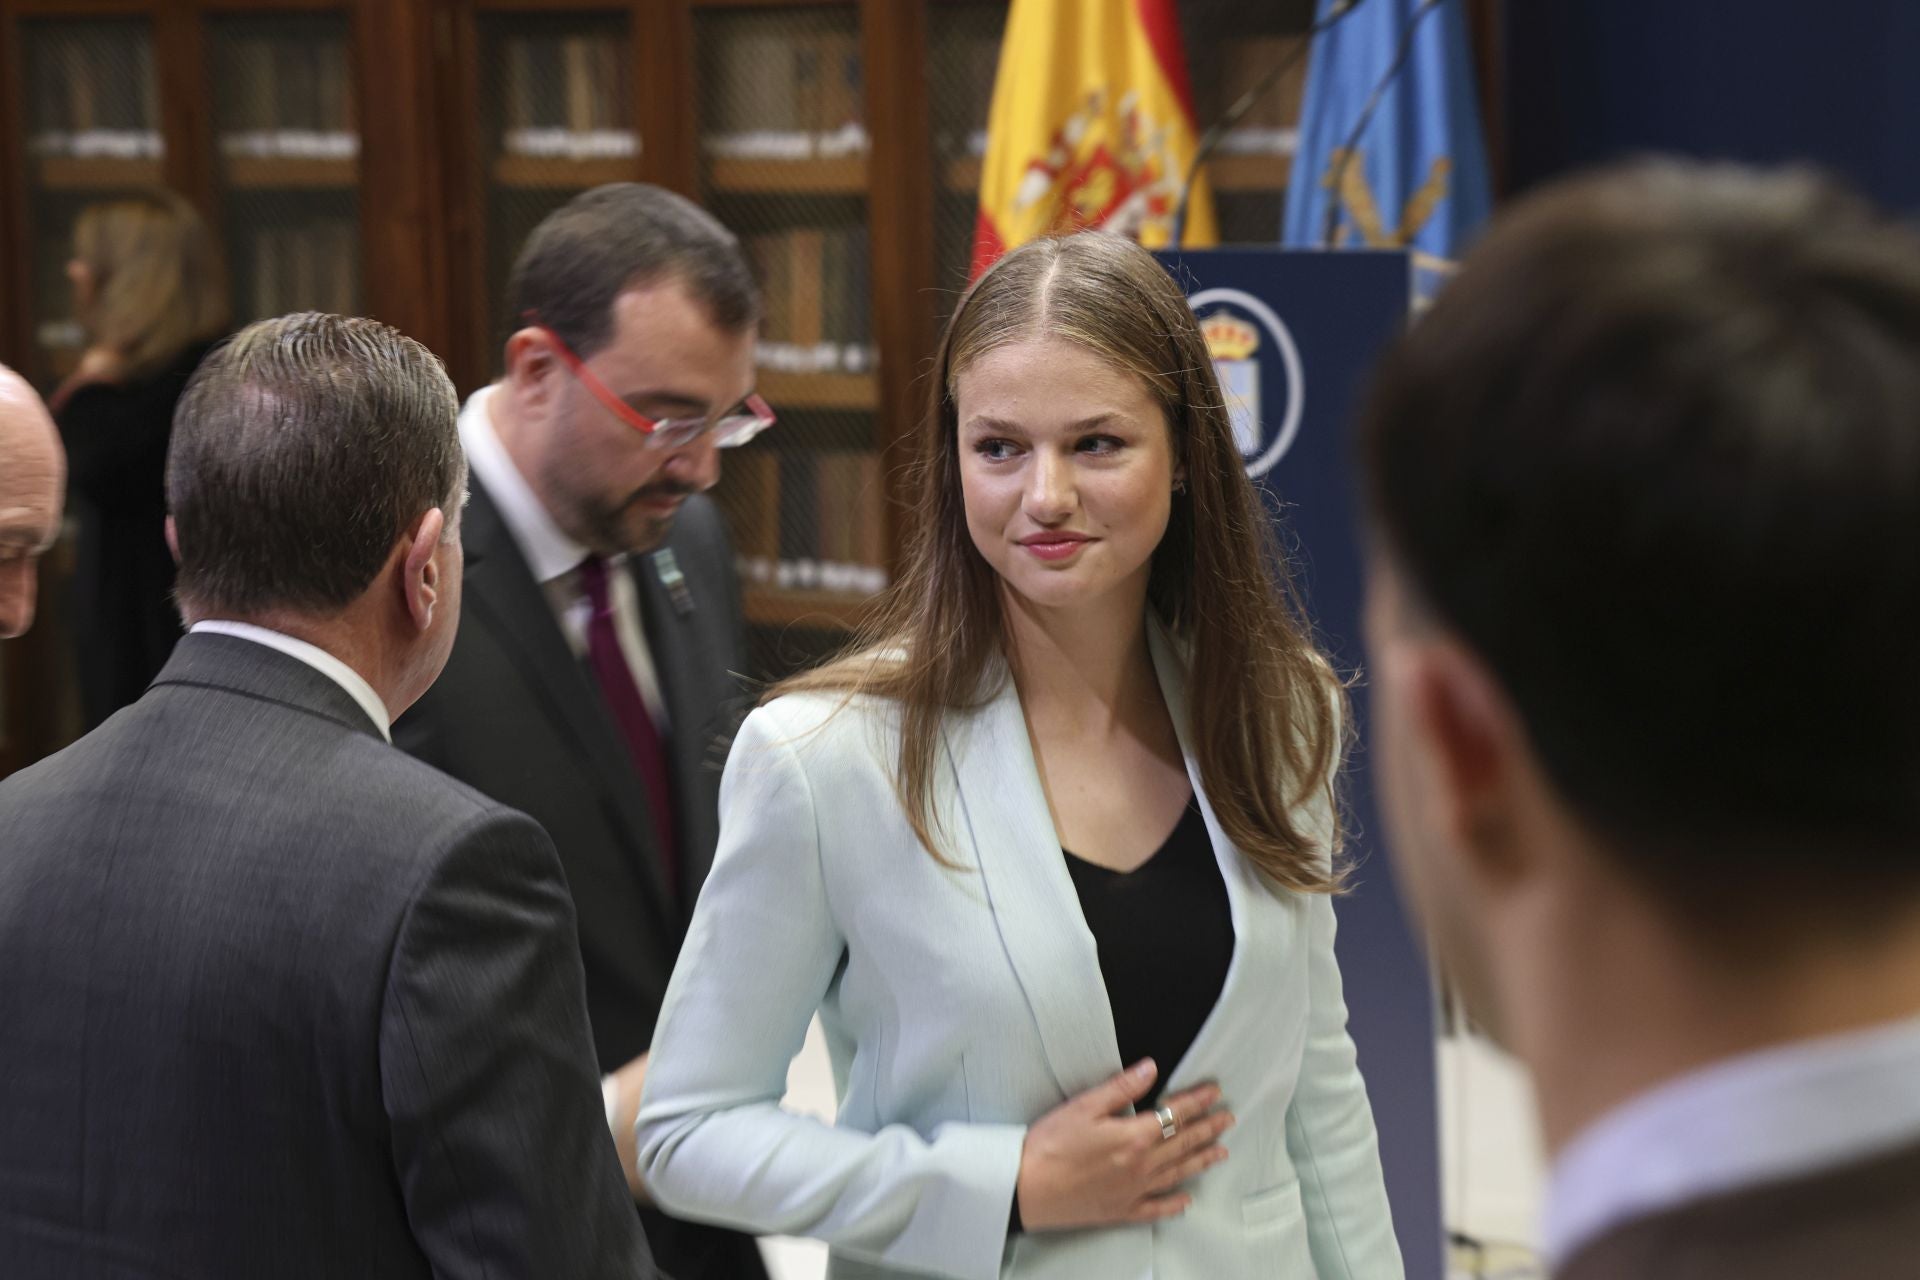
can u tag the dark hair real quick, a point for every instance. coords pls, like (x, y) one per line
(622, 236)
(1265, 703)
(302, 450)
(1655, 457)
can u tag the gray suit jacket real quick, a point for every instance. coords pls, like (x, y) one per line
(279, 1000)
(1859, 1221)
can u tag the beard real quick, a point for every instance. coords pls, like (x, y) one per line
(631, 526)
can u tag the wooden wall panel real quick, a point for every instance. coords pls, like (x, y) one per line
(900, 206)
(397, 48)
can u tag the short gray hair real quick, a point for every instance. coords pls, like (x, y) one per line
(302, 449)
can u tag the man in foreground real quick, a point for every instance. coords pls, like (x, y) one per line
(1646, 484)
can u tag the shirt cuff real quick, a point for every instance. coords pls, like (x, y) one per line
(610, 1094)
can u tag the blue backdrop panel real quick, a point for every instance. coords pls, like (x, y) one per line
(1294, 334)
(1764, 81)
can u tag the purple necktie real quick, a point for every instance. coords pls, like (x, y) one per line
(622, 694)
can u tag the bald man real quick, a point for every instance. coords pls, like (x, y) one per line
(33, 479)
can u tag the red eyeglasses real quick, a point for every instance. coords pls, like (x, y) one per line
(728, 431)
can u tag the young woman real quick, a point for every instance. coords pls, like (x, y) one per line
(151, 296)
(1067, 807)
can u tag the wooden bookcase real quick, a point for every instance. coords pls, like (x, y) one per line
(253, 110)
(388, 156)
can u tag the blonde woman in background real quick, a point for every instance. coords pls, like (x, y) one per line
(1050, 853)
(151, 297)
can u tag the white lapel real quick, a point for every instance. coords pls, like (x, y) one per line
(1246, 892)
(1003, 811)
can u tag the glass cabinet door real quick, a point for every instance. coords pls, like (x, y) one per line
(556, 116)
(287, 160)
(92, 133)
(783, 147)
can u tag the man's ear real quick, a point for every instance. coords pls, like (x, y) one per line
(173, 541)
(529, 361)
(420, 569)
(1476, 745)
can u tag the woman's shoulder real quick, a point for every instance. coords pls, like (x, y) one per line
(821, 741)
(834, 716)
(852, 683)
(140, 398)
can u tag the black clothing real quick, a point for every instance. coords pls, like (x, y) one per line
(125, 623)
(1164, 932)
(1165, 935)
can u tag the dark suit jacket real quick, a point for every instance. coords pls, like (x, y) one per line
(518, 717)
(1859, 1221)
(278, 1000)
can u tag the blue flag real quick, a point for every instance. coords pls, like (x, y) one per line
(1417, 177)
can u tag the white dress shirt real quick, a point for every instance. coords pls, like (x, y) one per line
(553, 557)
(1763, 1117)
(314, 656)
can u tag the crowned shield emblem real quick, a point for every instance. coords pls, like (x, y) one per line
(1240, 382)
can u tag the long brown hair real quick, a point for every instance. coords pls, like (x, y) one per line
(158, 283)
(1265, 705)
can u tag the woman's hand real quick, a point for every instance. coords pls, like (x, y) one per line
(1087, 1163)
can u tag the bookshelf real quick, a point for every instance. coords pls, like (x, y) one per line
(747, 175)
(557, 173)
(391, 155)
(287, 142)
(290, 173)
(88, 125)
(1237, 174)
(251, 109)
(1231, 48)
(92, 174)
(814, 610)
(964, 58)
(785, 158)
(549, 109)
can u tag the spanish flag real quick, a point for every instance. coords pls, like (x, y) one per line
(1092, 126)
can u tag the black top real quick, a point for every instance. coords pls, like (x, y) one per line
(1164, 932)
(1165, 936)
(125, 622)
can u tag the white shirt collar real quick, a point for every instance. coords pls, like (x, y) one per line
(1763, 1117)
(314, 656)
(549, 552)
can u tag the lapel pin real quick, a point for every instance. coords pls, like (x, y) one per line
(668, 570)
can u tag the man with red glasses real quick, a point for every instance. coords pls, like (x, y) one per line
(592, 679)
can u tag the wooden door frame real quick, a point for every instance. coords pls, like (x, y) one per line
(901, 231)
(398, 46)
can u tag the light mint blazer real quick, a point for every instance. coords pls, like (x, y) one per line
(960, 1003)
